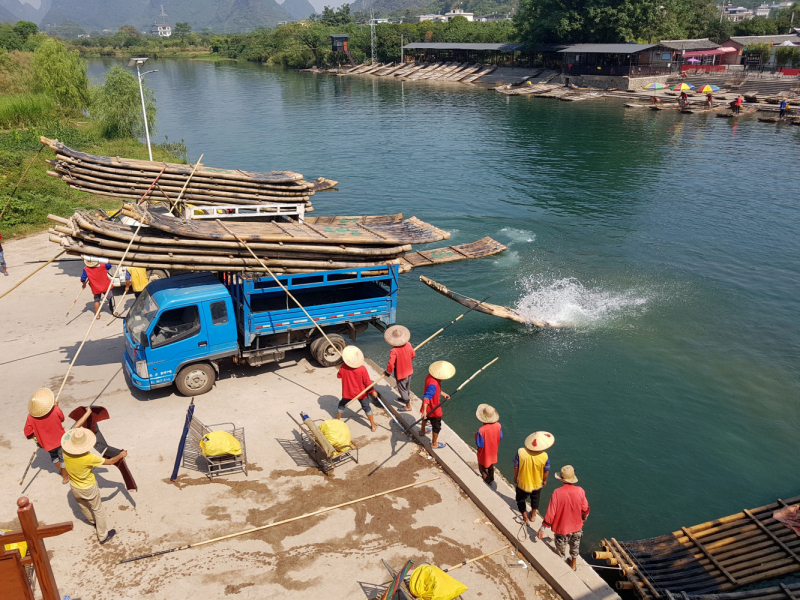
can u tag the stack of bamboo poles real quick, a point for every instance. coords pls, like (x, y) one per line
(129, 178)
(318, 243)
(718, 556)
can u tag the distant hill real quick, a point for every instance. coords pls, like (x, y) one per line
(219, 15)
(395, 8)
(6, 16)
(22, 11)
(298, 9)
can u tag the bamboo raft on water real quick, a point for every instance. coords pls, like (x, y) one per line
(130, 178)
(704, 560)
(319, 243)
(483, 307)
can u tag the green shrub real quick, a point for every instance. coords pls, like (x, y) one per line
(26, 110)
(60, 73)
(117, 106)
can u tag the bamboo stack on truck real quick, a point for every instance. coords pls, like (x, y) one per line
(723, 555)
(129, 178)
(318, 243)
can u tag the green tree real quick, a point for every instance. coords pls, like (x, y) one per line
(130, 31)
(26, 29)
(181, 30)
(10, 39)
(756, 26)
(335, 17)
(60, 73)
(118, 107)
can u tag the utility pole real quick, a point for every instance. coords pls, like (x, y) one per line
(137, 62)
(372, 33)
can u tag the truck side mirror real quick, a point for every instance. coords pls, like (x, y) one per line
(143, 339)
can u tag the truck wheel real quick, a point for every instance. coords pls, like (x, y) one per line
(154, 274)
(196, 379)
(324, 354)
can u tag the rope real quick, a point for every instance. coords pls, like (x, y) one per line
(20, 181)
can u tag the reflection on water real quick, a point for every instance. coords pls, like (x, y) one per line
(669, 241)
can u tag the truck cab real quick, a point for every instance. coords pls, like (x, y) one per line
(179, 328)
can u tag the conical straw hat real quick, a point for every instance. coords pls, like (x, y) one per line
(539, 441)
(90, 263)
(352, 357)
(567, 474)
(442, 370)
(78, 441)
(41, 402)
(487, 413)
(397, 336)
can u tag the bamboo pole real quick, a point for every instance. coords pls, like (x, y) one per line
(32, 274)
(183, 189)
(114, 314)
(283, 522)
(20, 182)
(30, 462)
(74, 302)
(472, 560)
(420, 345)
(100, 306)
(283, 287)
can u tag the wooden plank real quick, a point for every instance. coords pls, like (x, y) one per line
(709, 556)
(774, 538)
(44, 531)
(789, 592)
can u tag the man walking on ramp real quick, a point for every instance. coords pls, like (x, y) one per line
(355, 378)
(400, 359)
(531, 468)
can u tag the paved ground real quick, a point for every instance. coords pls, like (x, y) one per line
(336, 555)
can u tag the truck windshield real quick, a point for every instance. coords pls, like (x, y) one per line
(142, 313)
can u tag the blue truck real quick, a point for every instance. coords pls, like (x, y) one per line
(179, 328)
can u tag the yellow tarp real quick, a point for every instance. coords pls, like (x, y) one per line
(21, 546)
(431, 583)
(337, 433)
(218, 443)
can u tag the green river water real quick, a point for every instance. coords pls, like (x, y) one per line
(668, 243)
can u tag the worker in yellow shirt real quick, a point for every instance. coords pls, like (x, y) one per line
(137, 278)
(79, 464)
(531, 469)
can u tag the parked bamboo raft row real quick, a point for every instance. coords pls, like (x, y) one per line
(451, 71)
(130, 178)
(89, 235)
(718, 556)
(780, 592)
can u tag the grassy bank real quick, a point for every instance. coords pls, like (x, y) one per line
(46, 91)
(39, 193)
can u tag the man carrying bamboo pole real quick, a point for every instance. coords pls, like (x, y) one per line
(355, 378)
(487, 439)
(531, 468)
(567, 511)
(432, 399)
(400, 359)
(96, 275)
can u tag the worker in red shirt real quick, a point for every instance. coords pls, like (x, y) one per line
(97, 276)
(400, 359)
(567, 511)
(44, 426)
(431, 401)
(355, 379)
(737, 105)
(488, 441)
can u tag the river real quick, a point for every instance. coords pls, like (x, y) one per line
(668, 243)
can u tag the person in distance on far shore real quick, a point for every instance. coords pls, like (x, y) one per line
(3, 259)
(433, 398)
(80, 463)
(531, 469)
(355, 378)
(567, 511)
(400, 359)
(44, 426)
(487, 439)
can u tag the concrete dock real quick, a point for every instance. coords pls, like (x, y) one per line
(336, 555)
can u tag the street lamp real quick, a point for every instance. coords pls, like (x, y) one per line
(137, 62)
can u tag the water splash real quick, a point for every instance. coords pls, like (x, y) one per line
(518, 235)
(507, 259)
(568, 302)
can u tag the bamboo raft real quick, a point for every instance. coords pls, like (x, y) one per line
(718, 556)
(318, 243)
(130, 178)
(483, 307)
